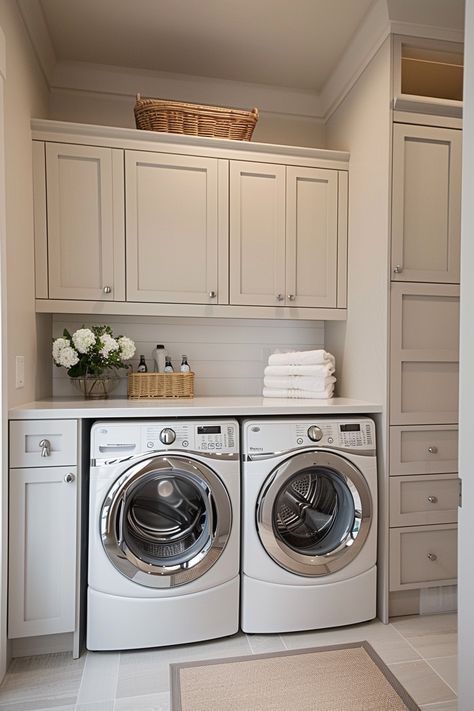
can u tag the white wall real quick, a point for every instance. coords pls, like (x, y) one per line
(26, 95)
(466, 386)
(227, 355)
(362, 125)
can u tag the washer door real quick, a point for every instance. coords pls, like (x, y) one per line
(166, 521)
(314, 513)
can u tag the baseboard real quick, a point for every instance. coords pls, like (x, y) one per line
(425, 601)
(45, 644)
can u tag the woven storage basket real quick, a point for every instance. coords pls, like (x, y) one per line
(160, 385)
(194, 119)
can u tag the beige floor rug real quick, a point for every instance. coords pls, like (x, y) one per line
(348, 677)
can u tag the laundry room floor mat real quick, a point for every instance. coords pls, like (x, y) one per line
(349, 677)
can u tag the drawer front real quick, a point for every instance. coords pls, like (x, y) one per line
(423, 556)
(43, 443)
(423, 450)
(419, 500)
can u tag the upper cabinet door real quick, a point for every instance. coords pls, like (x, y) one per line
(426, 204)
(257, 234)
(85, 222)
(175, 227)
(311, 237)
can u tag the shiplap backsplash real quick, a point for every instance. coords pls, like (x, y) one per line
(228, 356)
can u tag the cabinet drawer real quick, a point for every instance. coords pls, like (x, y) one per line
(423, 450)
(25, 438)
(418, 500)
(423, 556)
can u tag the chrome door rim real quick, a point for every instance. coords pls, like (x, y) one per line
(166, 576)
(348, 549)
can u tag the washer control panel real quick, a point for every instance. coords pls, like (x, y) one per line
(270, 436)
(118, 439)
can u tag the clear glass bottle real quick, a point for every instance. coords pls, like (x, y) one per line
(168, 365)
(142, 367)
(159, 358)
(184, 368)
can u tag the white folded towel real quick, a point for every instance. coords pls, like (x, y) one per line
(298, 382)
(319, 357)
(293, 393)
(313, 371)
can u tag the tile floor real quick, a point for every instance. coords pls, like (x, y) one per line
(421, 652)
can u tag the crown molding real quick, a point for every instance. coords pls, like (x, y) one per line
(366, 42)
(123, 81)
(410, 29)
(3, 55)
(40, 38)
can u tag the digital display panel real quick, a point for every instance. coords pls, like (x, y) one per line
(209, 429)
(350, 428)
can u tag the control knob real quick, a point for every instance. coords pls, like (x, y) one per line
(167, 435)
(315, 433)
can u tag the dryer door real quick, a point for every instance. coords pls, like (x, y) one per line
(166, 521)
(314, 513)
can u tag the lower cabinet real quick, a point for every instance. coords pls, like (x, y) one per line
(423, 556)
(43, 528)
(42, 560)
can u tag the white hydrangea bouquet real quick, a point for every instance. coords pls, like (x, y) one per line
(92, 352)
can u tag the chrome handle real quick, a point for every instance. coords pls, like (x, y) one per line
(433, 450)
(107, 289)
(432, 556)
(212, 294)
(397, 269)
(68, 478)
(280, 297)
(291, 297)
(45, 445)
(432, 499)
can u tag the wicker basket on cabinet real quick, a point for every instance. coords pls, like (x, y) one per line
(160, 385)
(194, 119)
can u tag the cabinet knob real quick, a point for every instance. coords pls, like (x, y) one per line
(432, 499)
(433, 450)
(212, 294)
(432, 556)
(291, 297)
(397, 269)
(45, 445)
(107, 289)
(280, 297)
(68, 478)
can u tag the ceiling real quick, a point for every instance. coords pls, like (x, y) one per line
(284, 43)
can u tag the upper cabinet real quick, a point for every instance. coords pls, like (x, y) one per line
(83, 240)
(176, 210)
(284, 235)
(169, 225)
(426, 204)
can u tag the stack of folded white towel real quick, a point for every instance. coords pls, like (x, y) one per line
(300, 374)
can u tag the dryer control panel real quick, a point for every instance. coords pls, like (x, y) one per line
(118, 439)
(272, 436)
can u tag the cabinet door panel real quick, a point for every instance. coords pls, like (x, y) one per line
(257, 234)
(424, 354)
(172, 228)
(311, 237)
(425, 499)
(423, 450)
(42, 552)
(423, 556)
(85, 222)
(426, 204)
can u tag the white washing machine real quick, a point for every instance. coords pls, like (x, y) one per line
(309, 497)
(163, 533)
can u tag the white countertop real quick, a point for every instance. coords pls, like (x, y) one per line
(77, 408)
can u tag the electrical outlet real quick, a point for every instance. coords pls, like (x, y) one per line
(20, 371)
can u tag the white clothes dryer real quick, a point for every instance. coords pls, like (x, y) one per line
(163, 533)
(309, 538)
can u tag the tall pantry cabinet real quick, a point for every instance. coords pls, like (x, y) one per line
(424, 354)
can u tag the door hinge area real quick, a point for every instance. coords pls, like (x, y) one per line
(460, 493)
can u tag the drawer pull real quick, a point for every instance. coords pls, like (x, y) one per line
(432, 556)
(68, 478)
(433, 450)
(45, 445)
(432, 499)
